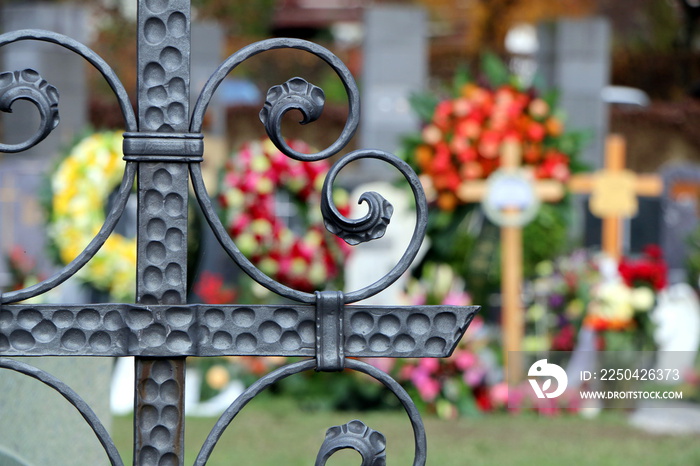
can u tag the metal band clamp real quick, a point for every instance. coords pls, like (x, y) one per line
(163, 147)
(330, 351)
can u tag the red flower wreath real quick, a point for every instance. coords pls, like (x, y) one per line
(462, 140)
(253, 176)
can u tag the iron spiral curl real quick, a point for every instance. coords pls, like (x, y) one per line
(300, 95)
(374, 223)
(294, 94)
(88, 54)
(30, 86)
(371, 226)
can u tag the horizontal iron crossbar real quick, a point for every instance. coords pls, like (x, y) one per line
(226, 330)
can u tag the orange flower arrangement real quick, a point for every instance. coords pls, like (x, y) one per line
(461, 140)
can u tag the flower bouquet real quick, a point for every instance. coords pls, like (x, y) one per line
(593, 292)
(257, 184)
(561, 294)
(460, 143)
(620, 309)
(462, 136)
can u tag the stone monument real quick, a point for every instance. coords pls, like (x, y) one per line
(395, 66)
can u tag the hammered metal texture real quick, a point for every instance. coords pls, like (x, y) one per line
(162, 223)
(163, 96)
(164, 50)
(159, 412)
(162, 146)
(230, 330)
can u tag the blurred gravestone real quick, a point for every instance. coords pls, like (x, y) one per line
(395, 66)
(39, 427)
(574, 59)
(206, 53)
(679, 210)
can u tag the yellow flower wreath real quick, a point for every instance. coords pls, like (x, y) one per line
(80, 187)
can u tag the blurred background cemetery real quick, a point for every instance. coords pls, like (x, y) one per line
(448, 86)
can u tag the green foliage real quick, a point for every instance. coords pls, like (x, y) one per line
(495, 70)
(346, 391)
(273, 431)
(423, 104)
(462, 76)
(547, 236)
(692, 263)
(470, 244)
(333, 88)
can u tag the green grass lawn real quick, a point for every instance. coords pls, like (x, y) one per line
(273, 431)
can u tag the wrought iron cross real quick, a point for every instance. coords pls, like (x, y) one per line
(163, 145)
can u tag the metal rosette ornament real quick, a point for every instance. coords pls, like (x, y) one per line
(340, 332)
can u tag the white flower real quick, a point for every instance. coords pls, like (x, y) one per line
(615, 301)
(642, 298)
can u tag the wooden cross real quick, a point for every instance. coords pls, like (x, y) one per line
(614, 192)
(512, 317)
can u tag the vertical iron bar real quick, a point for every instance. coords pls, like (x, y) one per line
(163, 107)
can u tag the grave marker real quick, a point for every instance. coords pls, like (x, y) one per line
(677, 332)
(680, 209)
(395, 66)
(511, 199)
(614, 192)
(574, 58)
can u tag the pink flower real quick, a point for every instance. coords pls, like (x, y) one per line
(464, 359)
(457, 298)
(430, 365)
(474, 376)
(428, 387)
(499, 394)
(383, 364)
(406, 372)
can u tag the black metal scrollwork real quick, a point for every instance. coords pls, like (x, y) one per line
(371, 226)
(307, 105)
(258, 387)
(29, 85)
(89, 55)
(295, 94)
(168, 328)
(299, 94)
